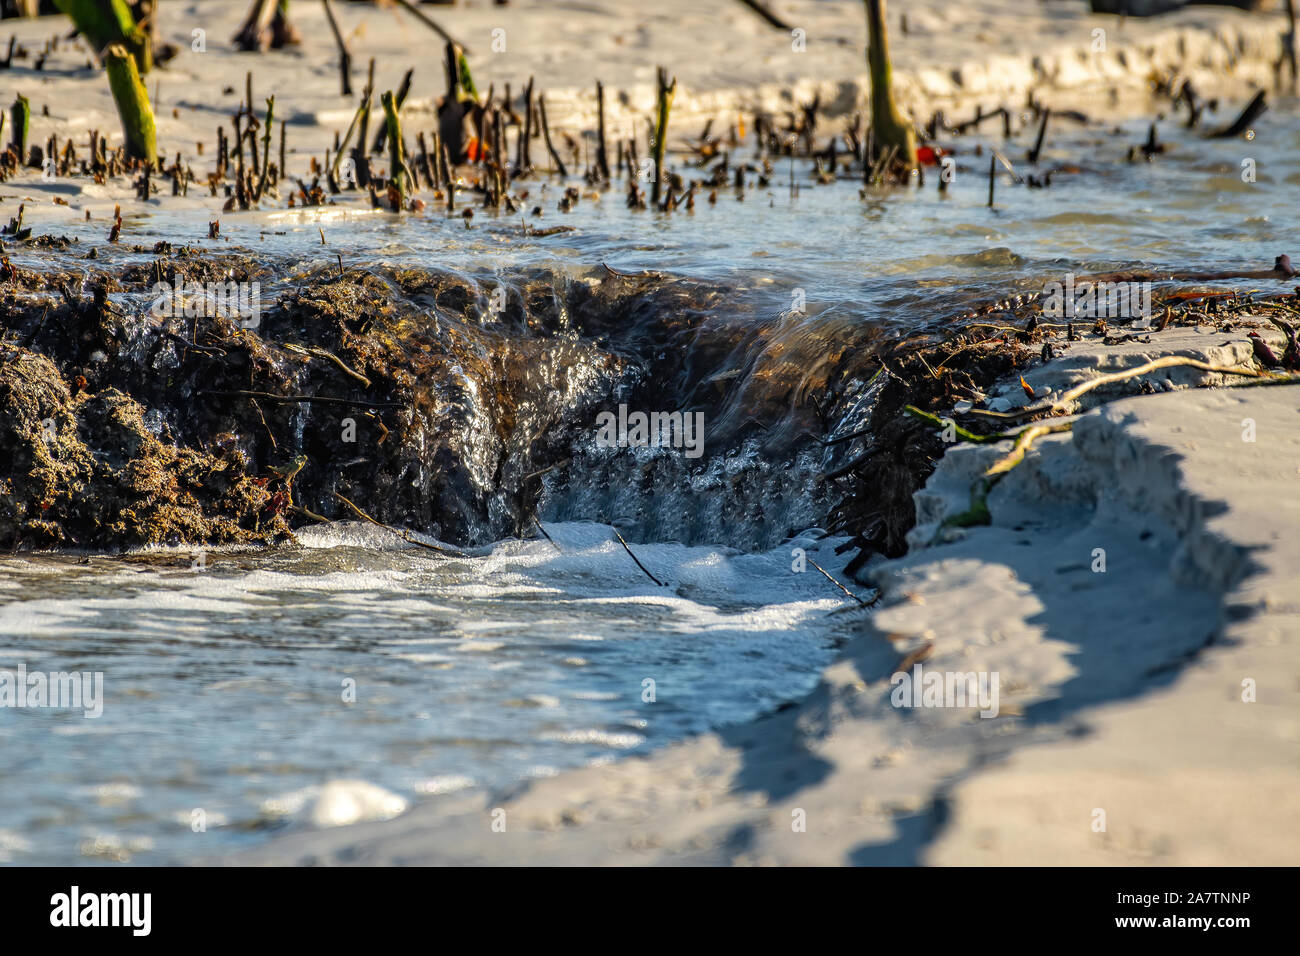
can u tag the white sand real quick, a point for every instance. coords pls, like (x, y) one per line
(1187, 773)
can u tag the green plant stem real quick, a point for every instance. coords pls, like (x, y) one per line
(888, 125)
(666, 91)
(107, 22)
(364, 108)
(266, 145)
(396, 161)
(132, 100)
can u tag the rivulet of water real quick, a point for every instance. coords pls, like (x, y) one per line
(237, 686)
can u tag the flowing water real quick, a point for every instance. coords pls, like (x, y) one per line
(241, 686)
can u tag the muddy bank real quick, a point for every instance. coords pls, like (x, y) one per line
(427, 399)
(394, 389)
(465, 408)
(85, 471)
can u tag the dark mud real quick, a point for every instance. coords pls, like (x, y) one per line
(458, 407)
(84, 470)
(401, 398)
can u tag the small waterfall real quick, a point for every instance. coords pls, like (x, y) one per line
(466, 406)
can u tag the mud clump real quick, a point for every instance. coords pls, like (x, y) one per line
(896, 454)
(84, 471)
(408, 392)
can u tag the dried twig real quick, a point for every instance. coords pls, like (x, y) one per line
(405, 536)
(419, 15)
(345, 57)
(1167, 361)
(634, 558)
(546, 134)
(1253, 109)
(315, 399)
(545, 535)
(274, 445)
(978, 513)
(842, 587)
(767, 15)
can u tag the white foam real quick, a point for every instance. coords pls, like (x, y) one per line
(337, 803)
(591, 568)
(446, 783)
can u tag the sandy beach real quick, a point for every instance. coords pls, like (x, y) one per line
(1126, 693)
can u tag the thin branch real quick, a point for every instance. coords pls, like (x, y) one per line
(345, 56)
(405, 536)
(842, 587)
(419, 15)
(1167, 361)
(960, 432)
(545, 535)
(767, 15)
(634, 558)
(317, 399)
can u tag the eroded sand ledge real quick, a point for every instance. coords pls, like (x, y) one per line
(1120, 691)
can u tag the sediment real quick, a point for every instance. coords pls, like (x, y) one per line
(405, 391)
